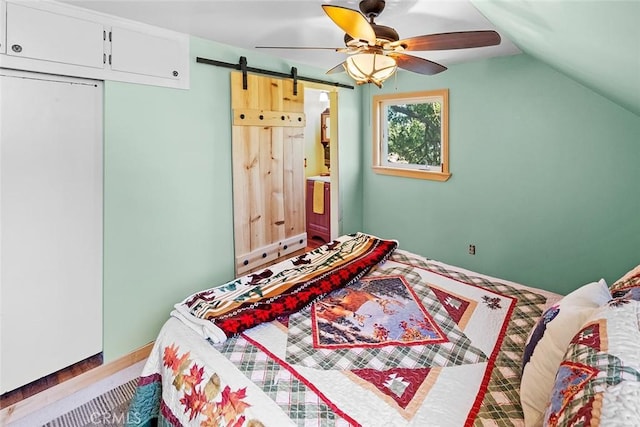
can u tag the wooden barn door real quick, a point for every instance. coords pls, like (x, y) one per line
(268, 170)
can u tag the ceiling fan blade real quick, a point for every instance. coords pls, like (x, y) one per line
(351, 22)
(337, 69)
(416, 64)
(299, 47)
(446, 41)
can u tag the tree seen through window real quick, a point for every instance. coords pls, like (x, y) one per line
(414, 133)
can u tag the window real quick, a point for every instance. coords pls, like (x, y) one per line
(411, 134)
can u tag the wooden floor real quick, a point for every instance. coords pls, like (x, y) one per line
(313, 243)
(44, 383)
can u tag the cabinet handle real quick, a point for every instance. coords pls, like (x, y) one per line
(16, 48)
(175, 73)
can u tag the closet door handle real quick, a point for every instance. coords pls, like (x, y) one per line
(16, 48)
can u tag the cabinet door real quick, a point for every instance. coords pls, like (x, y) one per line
(3, 27)
(39, 34)
(319, 225)
(147, 54)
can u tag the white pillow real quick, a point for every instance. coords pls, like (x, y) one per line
(547, 343)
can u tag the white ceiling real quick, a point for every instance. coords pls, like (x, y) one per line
(251, 23)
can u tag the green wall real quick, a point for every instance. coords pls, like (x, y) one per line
(545, 178)
(168, 218)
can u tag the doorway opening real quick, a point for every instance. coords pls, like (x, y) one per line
(321, 165)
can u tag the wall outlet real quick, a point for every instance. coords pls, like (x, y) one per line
(472, 249)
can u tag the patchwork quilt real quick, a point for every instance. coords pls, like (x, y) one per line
(413, 342)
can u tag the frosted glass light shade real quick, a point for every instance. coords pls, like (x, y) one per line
(370, 68)
(324, 99)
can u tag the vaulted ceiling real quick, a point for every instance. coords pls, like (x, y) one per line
(595, 42)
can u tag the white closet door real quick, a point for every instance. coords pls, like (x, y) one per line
(50, 224)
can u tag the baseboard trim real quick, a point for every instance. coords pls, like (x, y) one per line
(67, 388)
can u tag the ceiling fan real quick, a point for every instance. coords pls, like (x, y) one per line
(376, 51)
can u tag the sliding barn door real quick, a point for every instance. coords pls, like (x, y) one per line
(268, 170)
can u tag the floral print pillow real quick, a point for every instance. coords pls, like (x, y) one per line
(598, 382)
(548, 342)
(628, 286)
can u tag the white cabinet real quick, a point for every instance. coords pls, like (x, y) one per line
(141, 53)
(3, 22)
(57, 38)
(39, 34)
(50, 224)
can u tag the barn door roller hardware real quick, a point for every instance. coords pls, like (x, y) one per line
(242, 66)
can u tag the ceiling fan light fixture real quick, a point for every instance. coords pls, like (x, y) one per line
(370, 68)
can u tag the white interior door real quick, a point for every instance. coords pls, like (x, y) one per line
(50, 224)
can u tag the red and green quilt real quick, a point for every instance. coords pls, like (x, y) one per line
(413, 342)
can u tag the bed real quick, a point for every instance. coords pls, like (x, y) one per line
(354, 333)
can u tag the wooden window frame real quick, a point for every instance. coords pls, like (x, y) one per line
(380, 168)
